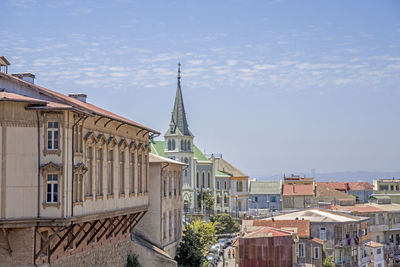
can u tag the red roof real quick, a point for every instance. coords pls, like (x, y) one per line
(300, 227)
(6, 96)
(359, 208)
(268, 232)
(320, 241)
(360, 186)
(77, 104)
(335, 185)
(298, 190)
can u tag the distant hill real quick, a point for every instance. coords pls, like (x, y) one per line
(355, 176)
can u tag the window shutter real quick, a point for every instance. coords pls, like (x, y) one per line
(297, 250)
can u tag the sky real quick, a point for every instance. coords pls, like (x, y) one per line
(275, 86)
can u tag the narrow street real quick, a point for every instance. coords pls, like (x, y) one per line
(230, 261)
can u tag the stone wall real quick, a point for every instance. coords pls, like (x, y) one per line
(115, 254)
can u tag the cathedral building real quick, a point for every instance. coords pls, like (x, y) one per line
(198, 176)
(202, 174)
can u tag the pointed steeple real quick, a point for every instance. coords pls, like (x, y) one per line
(178, 119)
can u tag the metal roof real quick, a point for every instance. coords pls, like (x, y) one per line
(265, 187)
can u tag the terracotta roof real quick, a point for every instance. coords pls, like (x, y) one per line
(268, 232)
(298, 178)
(6, 96)
(79, 105)
(320, 241)
(360, 186)
(359, 208)
(300, 227)
(298, 190)
(334, 185)
(374, 244)
(327, 193)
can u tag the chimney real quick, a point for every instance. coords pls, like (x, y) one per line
(79, 96)
(26, 76)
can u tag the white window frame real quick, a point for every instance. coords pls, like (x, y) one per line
(316, 252)
(52, 135)
(301, 250)
(322, 233)
(52, 181)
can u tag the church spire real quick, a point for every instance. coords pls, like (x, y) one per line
(178, 119)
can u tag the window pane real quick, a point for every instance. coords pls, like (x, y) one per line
(55, 195)
(49, 140)
(55, 139)
(48, 192)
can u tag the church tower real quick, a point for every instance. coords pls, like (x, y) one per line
(179, 139)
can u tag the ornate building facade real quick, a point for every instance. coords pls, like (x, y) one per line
(74, 178)
(198, 175)
(202, 174)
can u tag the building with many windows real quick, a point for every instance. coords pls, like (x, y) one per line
(201, 175)
(165, 205)
(198, 175)
(74, 177)
(345, 236)
(239, 193)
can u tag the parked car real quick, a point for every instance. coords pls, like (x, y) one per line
(211, 259)
(223, 242)
(215, 249)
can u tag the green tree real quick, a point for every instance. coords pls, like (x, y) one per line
(207, 232)
(206, 199)
(327, 261)
(190, 250)
(225, 224)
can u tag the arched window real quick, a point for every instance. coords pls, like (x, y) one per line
(188, 146)
(169, 145)
(218, 199)
(182, 147)
(173, 144)
(208, 180)
(225, 199)
(197, 180)
(225, 184)
(203, 180)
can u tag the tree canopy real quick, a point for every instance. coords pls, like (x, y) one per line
(190, 252)
(225, 224)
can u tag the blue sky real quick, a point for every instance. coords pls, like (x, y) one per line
(275, 86)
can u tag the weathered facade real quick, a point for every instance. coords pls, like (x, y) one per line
(298, 193)
(266, 247)
(74, 177)
(308, 250)
(162, 224)
(344, 235)
(239, 185)
(388, 187)
(265, 195)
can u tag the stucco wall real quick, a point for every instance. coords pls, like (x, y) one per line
(115, 255)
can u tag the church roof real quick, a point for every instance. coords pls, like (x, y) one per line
(157, 148)
(178, 118)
